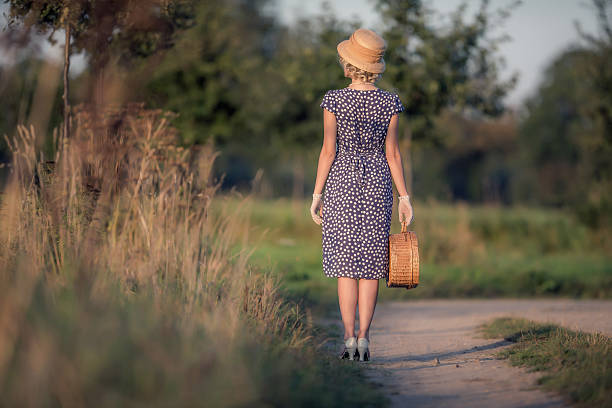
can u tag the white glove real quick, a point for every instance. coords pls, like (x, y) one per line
(315, 207)
(405, 209)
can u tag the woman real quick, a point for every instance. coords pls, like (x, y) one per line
(359, 157)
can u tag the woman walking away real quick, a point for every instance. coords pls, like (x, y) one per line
(359, 158)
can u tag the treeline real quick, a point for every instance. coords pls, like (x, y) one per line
(240, 78)
(554, 151)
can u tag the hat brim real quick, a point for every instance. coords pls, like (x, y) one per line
(345, 51)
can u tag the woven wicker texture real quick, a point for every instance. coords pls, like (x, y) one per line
(403, 259)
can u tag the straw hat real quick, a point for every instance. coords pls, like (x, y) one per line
(364, 49)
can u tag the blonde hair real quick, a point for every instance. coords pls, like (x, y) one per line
(358, 73)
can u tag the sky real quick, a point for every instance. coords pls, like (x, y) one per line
(539, 30)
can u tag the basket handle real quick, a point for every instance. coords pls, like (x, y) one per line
(404, 226)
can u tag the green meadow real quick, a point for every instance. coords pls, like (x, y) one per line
(465, 251)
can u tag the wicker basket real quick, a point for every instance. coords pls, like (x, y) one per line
(403, 259)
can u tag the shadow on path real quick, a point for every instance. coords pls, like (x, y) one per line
(443, 356)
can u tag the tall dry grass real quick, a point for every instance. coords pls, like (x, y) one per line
(117, 286)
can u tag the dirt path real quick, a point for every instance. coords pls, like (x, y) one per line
(409, 338)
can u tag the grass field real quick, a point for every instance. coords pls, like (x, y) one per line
(575, 364)
(475, 251)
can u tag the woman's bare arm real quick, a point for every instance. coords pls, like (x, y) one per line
(328, 151)
(394, 158)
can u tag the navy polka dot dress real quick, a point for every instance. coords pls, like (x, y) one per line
(358, 195)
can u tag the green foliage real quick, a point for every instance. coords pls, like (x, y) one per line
(566, 136)
(211, 75)
(306, 65)
(475, 161)
(135, 28)
(576, 364)
(475, 251)
(435, 68)
(245, 81)
(238, 77)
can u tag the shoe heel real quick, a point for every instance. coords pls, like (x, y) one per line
(352, 353)
(363, 348)
(351, 346)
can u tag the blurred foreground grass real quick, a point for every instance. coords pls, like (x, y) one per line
(119, 288)
(466, 251)
(575, 364)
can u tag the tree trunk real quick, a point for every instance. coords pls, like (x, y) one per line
(298, 185)
(47, 86)
(99, 92)
(66, 81)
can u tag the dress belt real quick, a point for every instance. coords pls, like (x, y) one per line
(357, 160)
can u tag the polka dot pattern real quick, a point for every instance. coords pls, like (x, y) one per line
(358, 195)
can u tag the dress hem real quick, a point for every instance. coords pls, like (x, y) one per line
(354, 277)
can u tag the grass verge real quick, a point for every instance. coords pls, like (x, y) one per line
(573, 363)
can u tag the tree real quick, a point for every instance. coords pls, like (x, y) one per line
(222, 79)
(251, 84)
(132, 28)
(210, 75)
(567, 131)
(305, 66)
(52, 16)
(435, 68)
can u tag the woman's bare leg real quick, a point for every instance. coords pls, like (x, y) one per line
(347, 298)
(368, 293)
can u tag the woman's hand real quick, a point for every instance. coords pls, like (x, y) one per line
(405, 209)
(315, 207)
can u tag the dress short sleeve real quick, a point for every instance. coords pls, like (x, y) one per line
(329, 102)
(397, 105)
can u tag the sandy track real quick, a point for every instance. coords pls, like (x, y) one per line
(408, 339)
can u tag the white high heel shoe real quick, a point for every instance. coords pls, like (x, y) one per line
(350, 348)
(363, 348)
